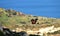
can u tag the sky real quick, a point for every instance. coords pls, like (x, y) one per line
(47, 8)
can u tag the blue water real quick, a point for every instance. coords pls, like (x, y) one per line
(48, 8)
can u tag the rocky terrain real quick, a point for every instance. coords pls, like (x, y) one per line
(18, 21)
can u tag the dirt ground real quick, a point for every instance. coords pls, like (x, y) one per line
(54, 35)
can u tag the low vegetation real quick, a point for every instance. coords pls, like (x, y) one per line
(13, 19)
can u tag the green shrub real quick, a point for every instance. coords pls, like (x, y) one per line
(1, 33)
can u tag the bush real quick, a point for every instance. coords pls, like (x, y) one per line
(1, 33)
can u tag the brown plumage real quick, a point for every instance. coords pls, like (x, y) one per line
(34, 21)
